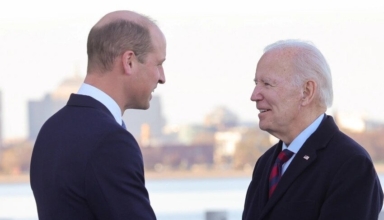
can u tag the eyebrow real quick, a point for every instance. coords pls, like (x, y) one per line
(264, 79)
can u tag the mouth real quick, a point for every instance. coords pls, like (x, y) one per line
(263, 110)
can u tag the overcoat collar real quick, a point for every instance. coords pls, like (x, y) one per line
(305, 157)
(89, 102)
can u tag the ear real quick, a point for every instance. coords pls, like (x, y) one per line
(308, 92)
(127, 61)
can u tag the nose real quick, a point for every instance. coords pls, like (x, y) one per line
(256, 94)
(162, 75)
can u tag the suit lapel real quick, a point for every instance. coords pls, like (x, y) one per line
(297, 166)
(304, 158)
(265, 178)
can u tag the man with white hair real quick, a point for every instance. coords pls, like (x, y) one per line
(315, 171)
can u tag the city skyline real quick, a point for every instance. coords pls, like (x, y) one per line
(212, 51)
(41, 109)
(151, 120)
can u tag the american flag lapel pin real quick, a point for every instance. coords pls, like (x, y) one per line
(306, 157)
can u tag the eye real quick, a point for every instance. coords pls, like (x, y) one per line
(266, 83)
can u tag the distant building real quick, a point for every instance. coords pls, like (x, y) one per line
(225, 145)
(351, 121)
(189, 134)
(146, 125)
(226, 142)
(374, 125)
(221, 118)
(40, 110)
(178, 157)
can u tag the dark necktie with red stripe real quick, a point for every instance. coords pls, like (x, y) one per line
(275, 175)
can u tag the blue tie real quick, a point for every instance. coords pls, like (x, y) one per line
(123, 124)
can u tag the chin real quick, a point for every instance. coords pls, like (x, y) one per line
(263, 127)
(142, 107)
(146, 106)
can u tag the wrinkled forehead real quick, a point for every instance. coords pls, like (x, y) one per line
(275, 64)
(284, 56)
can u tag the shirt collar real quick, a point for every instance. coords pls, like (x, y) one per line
(298, 142)
(102, 97)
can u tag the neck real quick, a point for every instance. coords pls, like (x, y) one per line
(299, 126)
(104, 83)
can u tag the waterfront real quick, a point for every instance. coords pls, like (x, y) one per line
(172, 199)
(180, 197)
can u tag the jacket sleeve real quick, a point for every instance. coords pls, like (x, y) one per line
(250, 194)
(115, 185)
(355, 192)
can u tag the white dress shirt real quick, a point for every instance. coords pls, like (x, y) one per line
(298, 142)
(102, 97)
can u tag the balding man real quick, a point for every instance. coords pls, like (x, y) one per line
(314, 172)
(85, 164)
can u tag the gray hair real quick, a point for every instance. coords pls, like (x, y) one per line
(310, 65)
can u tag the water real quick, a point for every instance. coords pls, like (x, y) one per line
(172, 199)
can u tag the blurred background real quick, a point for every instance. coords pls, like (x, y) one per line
(200, 138)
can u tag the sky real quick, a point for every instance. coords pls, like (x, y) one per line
(212, 51)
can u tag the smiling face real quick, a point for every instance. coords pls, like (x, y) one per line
(276, 97)
(149, 73)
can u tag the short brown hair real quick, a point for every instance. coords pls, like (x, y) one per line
(111, 40)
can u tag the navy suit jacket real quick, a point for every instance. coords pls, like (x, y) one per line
(337, 181)
(85, 166)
